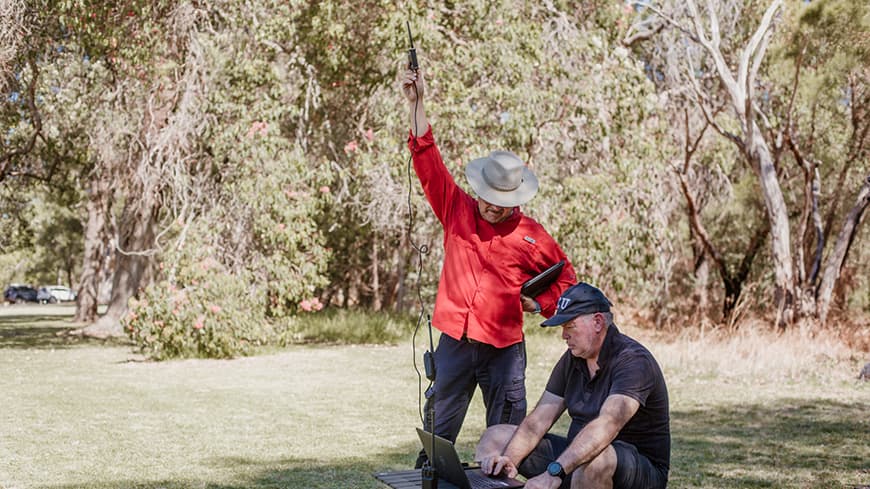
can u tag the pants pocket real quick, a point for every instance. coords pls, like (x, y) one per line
(515, 403)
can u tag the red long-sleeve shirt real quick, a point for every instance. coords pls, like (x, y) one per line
(484, 264)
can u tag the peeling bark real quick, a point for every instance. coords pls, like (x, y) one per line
(841, 250)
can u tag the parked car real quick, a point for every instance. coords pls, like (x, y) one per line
(57, 293)
(20, 293)
(43, 296)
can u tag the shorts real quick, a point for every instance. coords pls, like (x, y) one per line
(633, 470)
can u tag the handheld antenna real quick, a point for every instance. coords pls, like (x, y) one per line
(429, 473)
(412, 52)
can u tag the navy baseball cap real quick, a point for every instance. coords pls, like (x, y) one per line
(578, 300)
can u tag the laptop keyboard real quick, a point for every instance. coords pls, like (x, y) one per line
(480, 481)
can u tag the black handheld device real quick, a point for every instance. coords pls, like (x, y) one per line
(539, 283)
(429, 474)
(412, 52)
(429, 356)
(429, 365)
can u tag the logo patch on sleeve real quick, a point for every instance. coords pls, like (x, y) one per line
(530, 239)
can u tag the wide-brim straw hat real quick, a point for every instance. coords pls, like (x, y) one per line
(502, 179)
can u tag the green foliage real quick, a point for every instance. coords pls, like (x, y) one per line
(269, 190)
(211, 314)
(42, 238)
(293, 177)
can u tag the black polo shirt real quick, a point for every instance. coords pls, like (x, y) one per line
(625, 367)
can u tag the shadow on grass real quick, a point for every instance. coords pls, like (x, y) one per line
(278, 474)
(41, 332)
(791, 443)
(796, 443)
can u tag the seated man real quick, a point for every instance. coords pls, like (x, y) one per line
(616, 396)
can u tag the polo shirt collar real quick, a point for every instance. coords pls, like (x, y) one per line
(607, 348)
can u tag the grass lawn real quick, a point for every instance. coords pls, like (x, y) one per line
(748, 412)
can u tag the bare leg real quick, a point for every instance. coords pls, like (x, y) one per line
(598, 473)
(494, 439)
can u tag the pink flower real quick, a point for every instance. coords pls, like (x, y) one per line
(281, 226)
(200, 323)
(214, 308)
(309, 305)
(258, 127)
(350, 147)
(370, 135)
(159, 323)
(499, 22)
(324, 189)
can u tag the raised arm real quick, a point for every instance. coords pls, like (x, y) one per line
(413, 87)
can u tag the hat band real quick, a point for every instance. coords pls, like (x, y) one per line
(502, 186)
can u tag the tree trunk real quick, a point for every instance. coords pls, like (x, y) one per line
(841, 249)
(94, 251)
(376, 276)
(777, 214)
(701, 272)
(134, 257)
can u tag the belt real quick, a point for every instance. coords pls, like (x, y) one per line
(469, 340)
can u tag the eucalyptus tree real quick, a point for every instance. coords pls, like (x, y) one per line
(736, 83)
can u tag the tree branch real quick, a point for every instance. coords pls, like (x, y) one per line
(701, 101)
(841, 250)
(643, 35)
(756, 43)
(668, 19)
(6, 159)
(721, 66)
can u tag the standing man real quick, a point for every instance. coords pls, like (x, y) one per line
(616, 396)
(490, 249)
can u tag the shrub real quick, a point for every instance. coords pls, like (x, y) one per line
(214, 315)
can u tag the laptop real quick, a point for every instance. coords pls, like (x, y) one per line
(448, 467)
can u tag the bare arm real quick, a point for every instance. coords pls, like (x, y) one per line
(413, 87)
(616, 411)
(528, 434)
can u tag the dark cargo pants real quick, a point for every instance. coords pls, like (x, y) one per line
(460, 366)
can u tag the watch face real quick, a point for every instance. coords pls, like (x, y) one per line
(555, 469)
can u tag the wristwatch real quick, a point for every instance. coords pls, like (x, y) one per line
(556, 470)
